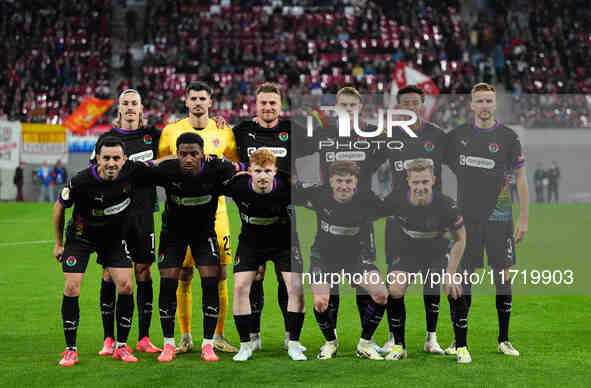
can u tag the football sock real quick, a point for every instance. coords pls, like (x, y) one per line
(362, 300)
(431, 311)
(323, 320)
(243, 323)
(70, 320)
(107, 305)
(184, 297)
(124, 316)
(374, 313)
(257, 301)
(210, 302)
(397, 319)
(223, 293)
(167, 305)
(282, 299)
(145, 298)
(504, 302)
(333, 308)
(295, 321)
(460, 320)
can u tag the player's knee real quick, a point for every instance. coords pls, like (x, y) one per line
(396, 292)
(125, 287)
(142, 272)
(241, 287)
(321, 304)
(260, 273)
(72, 288)
(107, 275)
(380, 297)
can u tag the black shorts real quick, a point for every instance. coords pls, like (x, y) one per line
(249, 259)
(393, 237)
(415, 264)
(173, 248)
(139, 236)
(494, 236)
(320, 264)
(111, 254)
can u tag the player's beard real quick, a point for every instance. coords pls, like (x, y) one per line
(421, 197)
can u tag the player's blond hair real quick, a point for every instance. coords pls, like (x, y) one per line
(343, 167)
(483, 87)
(418, 165)
(119, 120)
(262, 157)
(349, 90)
(268, 87)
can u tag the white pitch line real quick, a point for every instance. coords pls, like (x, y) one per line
(8, 244)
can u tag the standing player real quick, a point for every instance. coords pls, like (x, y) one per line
(430, 145)
(483, 154)
(219, 142)
(141, 144)
(342, 212)
(266, 235)
(192, 189)
(424, 215)
(102, 196)
(269, 132)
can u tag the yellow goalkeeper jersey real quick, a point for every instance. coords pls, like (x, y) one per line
(219, 142)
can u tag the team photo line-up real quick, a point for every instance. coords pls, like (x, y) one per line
(201, 160)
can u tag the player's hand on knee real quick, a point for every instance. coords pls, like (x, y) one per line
(452, 290)
(58, 251)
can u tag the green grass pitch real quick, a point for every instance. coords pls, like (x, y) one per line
(550, 325)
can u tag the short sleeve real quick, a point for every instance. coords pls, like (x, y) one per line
(453, 219)
(68, 195)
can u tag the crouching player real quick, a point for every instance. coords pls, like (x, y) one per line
(341, 213)
(423, 217)
(262, 199)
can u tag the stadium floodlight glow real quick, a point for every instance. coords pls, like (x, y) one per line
(344, 126)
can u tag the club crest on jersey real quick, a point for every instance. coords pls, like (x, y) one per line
(148, 139)
(283, 136)
(429, 146)
(71, 261)
(493, 147)
(216, 142)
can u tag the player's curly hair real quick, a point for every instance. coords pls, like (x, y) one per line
(262, 156)
(343, 167)
(419, 165)
(118, 122)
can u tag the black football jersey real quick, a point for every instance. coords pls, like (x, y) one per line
(265, 219)
(340, 226)
(430, 144)
(100, 206)
(191, 200)
(368, 153)
(483, 160)
(422, 227)
(141, 145)
(250, 137)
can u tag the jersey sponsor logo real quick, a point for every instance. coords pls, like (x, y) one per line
(112, 210)
(493, 147)
(419, 234)
(254, 136)
(148, 139)
(143, 156)
(355, 156)
(429, 147)
(71, 261)
(66, 194)
(191, 201)
(339, 230)
(216, 142)
(402, 165)
(478, 162)
(279, 152)
(283, 136)
(259, 220)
